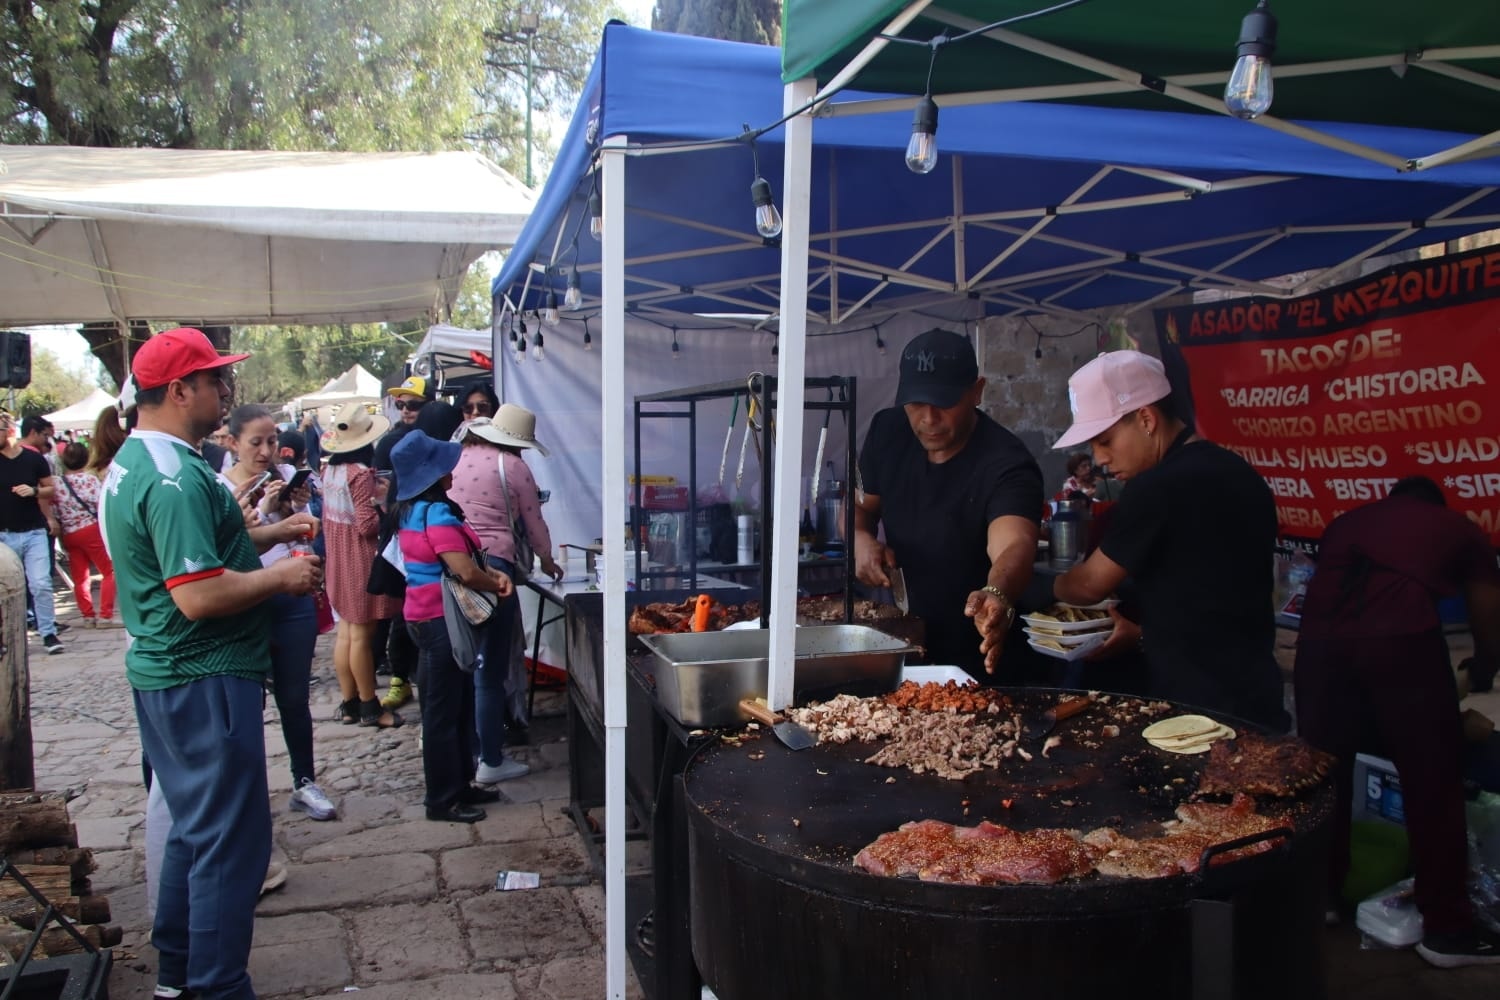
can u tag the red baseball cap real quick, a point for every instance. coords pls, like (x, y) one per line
(174, 354)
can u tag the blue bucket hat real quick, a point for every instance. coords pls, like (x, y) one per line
(420, 461)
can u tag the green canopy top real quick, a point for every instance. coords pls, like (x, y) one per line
(1171, 38)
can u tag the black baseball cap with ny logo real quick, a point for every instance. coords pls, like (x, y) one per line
(937, 368)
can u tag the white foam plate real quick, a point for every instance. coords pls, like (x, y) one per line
(1103, 605)
(936, 674)
(1073, 653)
(1071, 639)
(1066, 627)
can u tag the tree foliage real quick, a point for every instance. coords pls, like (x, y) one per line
(52, 387)
(352, 75)
(757, 21)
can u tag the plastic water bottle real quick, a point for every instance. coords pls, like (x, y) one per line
(302, 544)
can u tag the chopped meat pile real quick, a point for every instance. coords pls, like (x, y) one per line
(650, 619)
(948, 697)
(988, 854)
(830, 608)
(1263, 765)
(931, 728)
(982, 855)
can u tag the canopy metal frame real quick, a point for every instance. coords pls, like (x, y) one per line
(1116, 80)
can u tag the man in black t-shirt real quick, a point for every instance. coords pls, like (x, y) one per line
(1194, 532)
(25, 485)
(959, 496)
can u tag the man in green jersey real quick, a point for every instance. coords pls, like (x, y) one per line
(190, 586)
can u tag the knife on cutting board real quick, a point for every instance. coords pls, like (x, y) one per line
(898, 590)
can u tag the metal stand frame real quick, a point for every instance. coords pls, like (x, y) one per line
(82, 976)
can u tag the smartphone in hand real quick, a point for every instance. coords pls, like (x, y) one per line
(298, 480)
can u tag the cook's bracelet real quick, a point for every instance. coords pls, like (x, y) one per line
(1005, 601)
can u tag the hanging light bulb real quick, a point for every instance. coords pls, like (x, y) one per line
(588, 340)
(879, 344)
(573, 298)
(519, 343)
(921, 148)
(549, 309)
(1248, 94)
(537, 353)
(767, 218)
(596, 216)
(676, 351)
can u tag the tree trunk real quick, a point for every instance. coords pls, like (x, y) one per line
(80, 860)
(84, 909)
(52, 881)
(113, 350)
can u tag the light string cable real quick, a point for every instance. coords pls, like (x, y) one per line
(685, 144)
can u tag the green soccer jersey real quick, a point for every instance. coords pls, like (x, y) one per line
(168, 521)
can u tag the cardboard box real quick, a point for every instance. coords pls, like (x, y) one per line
(1377, 790)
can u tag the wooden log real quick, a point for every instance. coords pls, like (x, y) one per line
(84, 909)
(33, 824)
(80, 860)
(52, 881)
(56, 941)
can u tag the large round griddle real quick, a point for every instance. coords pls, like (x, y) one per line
(808, 813)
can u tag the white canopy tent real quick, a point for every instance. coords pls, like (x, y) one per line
(218, 236)
(354, 386)
(81, 415)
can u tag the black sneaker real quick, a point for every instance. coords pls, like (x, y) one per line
(1476, 946)
(62, 626)
(53, 644)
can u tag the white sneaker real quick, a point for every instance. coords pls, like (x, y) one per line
(309, 798)
(508, 768)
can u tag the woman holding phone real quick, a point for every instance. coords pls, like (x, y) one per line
(254, 444)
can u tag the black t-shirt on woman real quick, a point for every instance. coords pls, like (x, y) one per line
(1197, 535)
(937, 519)
(19, 513)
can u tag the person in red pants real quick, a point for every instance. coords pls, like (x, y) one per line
(76, 506)
(1373, 671)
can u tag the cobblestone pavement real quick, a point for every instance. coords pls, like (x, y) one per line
(381, 899)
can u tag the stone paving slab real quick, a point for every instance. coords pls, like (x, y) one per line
(297, 952)
(409, 941)
(485, 986)
(475, 867)
(421, 837)
(329, 885)
(525, 925)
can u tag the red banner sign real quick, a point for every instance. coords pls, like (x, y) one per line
(1335, 396)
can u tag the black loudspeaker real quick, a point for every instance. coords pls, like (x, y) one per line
(15, 359)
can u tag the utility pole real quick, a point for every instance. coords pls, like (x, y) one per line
(528, 23)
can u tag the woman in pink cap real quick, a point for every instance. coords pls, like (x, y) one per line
(1193, 534)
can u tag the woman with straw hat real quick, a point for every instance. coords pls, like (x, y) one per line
(493, 501)
(351, 526)
(435, 541)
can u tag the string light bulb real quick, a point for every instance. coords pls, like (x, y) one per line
(596, 216)
(573, 298)
(537, 352)
(922, 148)
(549, 309)
(1249, 91)
(520, 342)
(588, 339)
(676, 351)
(767, 218)
(879, 344)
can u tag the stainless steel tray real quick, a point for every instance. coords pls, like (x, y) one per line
(701, 676)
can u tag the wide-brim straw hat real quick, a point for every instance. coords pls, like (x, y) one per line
(421, 460)
(353, 428)
(513, 427)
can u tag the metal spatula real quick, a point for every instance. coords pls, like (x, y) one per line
(792, 736)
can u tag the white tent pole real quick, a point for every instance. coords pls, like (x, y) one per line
(796, 217)
(612, 438)
(1455, 153)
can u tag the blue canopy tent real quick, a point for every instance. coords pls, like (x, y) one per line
(1033, 210)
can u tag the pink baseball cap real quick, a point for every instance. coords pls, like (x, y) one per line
(1107, 388)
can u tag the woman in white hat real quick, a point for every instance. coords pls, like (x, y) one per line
(351, 527)
(493, 502)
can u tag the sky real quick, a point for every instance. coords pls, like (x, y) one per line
(70, 348)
